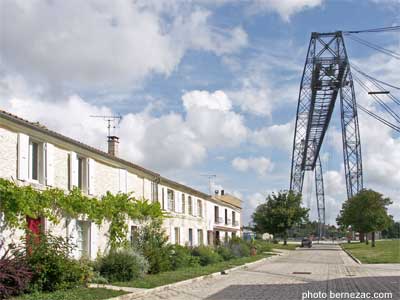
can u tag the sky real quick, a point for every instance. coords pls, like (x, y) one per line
(203, 87)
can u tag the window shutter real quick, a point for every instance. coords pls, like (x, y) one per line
(91, 168)
(122, 181)
(73, 167)
(94, 236)
(73, 237)
(49, 164)
(23, 156)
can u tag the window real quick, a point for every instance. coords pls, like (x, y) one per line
(234, 218)
(171, 200)
(83, 237)
(190, 206)
(134, 235)
(226, 236)
(200, 238)
(190, 237)
(234, 234)
(226, 216)
(83, 174)
(217, 238)
(183, 204)
(154, 191)
(199, 208)
(216, 214)
(177, 236)
(36, 156)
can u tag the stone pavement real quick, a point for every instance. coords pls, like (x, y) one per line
(323, 268)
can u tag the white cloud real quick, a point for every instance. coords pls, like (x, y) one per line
(164, 142)
(210, 116)
(285, 8)
(276, 136)
(215, 101)
(108, 45)
(261, 165)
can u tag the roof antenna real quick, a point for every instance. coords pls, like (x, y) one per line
(112, 121)
(209, 176)
(112, 140)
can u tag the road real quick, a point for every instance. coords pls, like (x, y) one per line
(317, 273)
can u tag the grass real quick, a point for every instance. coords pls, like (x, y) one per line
(151, 281)
(285, 247)
(73, 294)
(383, 252)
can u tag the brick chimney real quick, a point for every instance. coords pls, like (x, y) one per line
(113, 142)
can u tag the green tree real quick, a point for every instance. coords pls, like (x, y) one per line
(366, 212)
(279, 213)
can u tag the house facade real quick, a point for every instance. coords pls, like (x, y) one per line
(31, 154)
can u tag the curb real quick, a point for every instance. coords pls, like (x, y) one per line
(352, 256)
(139, 292)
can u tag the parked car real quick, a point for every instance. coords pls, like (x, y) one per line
(306, 242)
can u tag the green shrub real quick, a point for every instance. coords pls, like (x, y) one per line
(262, 246)
(152, 242)
(182, 257)
(207, 255)
(239, 247)
(53, 269)
(122, 265)
(225, 252)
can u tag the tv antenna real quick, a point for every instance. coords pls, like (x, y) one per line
(112, 121)
(210, 177)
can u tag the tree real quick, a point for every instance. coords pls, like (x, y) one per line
(279, 213)
(366, 212)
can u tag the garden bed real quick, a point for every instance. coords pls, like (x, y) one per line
(73, 294)
(164, 278)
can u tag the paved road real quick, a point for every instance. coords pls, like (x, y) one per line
(300, 274)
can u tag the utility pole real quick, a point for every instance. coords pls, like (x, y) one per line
(209, 176)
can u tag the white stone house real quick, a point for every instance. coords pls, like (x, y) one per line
(32, 154)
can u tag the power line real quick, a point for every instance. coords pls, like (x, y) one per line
(382, 29)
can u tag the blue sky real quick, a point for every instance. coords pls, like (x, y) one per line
(204, 87)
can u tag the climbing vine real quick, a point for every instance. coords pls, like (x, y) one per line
(18, 202)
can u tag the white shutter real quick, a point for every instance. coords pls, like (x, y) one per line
(23, 156)
(49, 164)
(194, 205)
(94, 235)
(73, 237)
(178, 203)
(73, 167)
(91, 168)
(122, 181)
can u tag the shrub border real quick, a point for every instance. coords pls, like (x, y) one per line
(140, 292)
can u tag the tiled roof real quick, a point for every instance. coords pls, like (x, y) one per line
(43, 129)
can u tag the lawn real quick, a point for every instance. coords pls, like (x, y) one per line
(151, 281)
(383, 252)
(73, 294)
(287, 247)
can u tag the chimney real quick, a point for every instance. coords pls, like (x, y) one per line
(222, 192)
(113, 142)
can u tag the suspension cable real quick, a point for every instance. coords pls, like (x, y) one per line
(378, 118)
(376, 83)
(375, 47)
(382, 29)
(353, 66)
(378, 100)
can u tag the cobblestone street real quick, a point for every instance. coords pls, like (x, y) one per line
(323, 268)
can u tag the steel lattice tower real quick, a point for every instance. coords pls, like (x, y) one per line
(326, 74)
